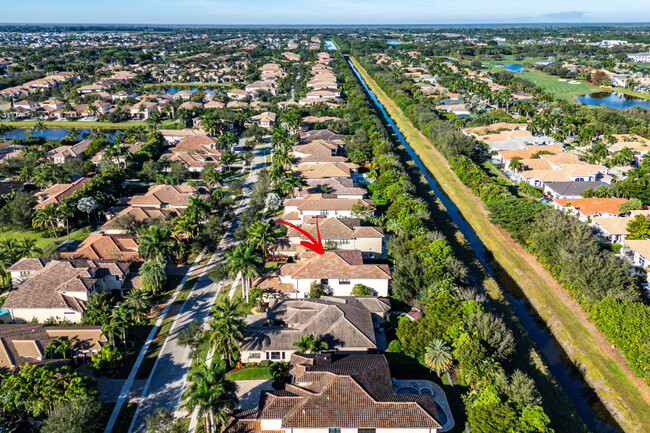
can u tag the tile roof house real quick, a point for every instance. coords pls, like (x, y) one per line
(297, 209)
(173, 136)
(318, 152)
(99, 246)
(353, 393)
(56, 193)
(195, 152)
(338, 271)
(321, 134)
(586, 208)
(570, 189)
(336, 187)
(22, 344)
(61, 153)
(344, 234)
(638, 251)
(136, 215)
(59, 289)
(265, 120)
(346, 325)
(327, 169)
(614, 229)
(168, 196)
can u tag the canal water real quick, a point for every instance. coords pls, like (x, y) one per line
(615, 100)
(567, 375)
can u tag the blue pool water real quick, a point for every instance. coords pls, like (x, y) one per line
(395, 43)
(330, 46)
(613, 100)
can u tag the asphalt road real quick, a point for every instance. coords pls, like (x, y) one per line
(167, 379)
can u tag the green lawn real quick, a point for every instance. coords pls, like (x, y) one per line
(576, 335)
(253, 373)
(44, 243)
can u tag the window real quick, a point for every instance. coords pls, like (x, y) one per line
(276, 356)
(344, 242)
(25, 274)
(323, 213)
(335, 430)
(255, 355)
(366, 430)
(344, 281)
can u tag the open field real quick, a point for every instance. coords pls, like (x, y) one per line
(44, 243)
(626, 396)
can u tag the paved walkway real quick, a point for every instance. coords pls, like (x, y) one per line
(167, 379)
(249, 391)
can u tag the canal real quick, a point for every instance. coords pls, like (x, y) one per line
(566, 374)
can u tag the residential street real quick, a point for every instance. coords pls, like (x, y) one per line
(167, 379)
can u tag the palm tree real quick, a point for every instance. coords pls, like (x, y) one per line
(244, 260)
(438, 356)
(110, 331)
(29, 247)
(227, 158)
(227, 308)
(211, 394)
(139, 302)
(289, 184)
(310, 343)
(156, 243)
(152, 276)
(198, 207)
(185, 225)
(44, 217)
(516, 164)
(212, 177)
(261, 235)
(121, 317)
(282, 158)
(277, 172)
(225, 336)
(62, 346)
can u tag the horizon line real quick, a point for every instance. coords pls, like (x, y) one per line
(568, 23)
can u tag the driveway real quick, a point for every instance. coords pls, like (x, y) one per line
(167, 379)
(249, 392)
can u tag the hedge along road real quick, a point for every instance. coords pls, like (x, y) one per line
(626, 396)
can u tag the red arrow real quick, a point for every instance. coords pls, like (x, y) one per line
(315, 246)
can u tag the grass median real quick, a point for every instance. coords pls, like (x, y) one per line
(619, 390)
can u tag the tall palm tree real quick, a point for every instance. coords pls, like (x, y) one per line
(121, 316)
(211, 394)
(282, 158)
(246, 261)
(139, 302)
(261, 235)
(227, 158)
(46, 217)
(227, 308)
(225, 335)
(212, 177)
(28, 247)
(110, 331)
(310, 343)
(438, 356)
(198, 207)
(289, 184)
(156, 243)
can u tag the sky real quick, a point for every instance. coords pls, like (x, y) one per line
(318, 12)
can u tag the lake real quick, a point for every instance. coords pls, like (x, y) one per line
(175, 89)
(330, 46)
(613, 100)
(55, 133)
(514, 68)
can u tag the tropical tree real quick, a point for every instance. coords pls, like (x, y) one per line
(227, 158)
(310, 343)
(191, 336)
(152, 276)
(156, 243)
(87, 205)
(639, 227)
(261, 235)
(212, 177)
(45, 217)
(245, 261)
(122, 317)
(437, 356)
(61, 346)
(139, 302)
(280, 372)
(227, 308)
(516, 164)
(225, 335)
(107, 358)
(211, 394)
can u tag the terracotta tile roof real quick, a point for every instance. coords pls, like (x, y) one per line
(640, 246)
(140, 215)
(22, 344)
(58, 192)
(329, 169)
(317, 202)
(333, 228)
(167, 195)
(194, 159)
(196, 143)
(335, 186)
(98, 246)
(352, 392)
(592, 206)
(324, 134)
(335, 264)
(46, 286)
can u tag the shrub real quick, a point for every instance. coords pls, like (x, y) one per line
(361, 290)
(316, 290)
(394, 347)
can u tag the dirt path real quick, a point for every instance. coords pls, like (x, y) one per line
(606, 370)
